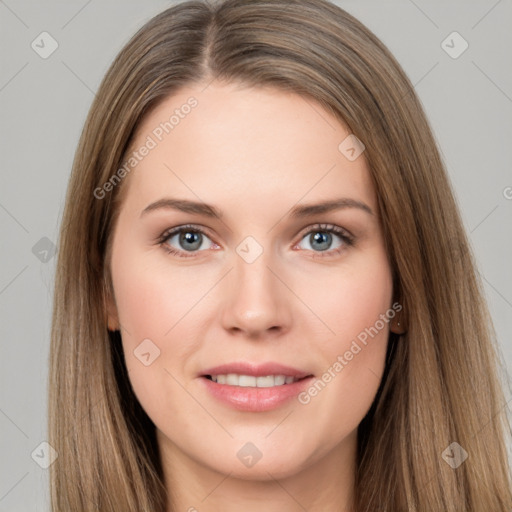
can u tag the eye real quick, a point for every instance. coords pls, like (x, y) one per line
(192, 239)
(188, 238)
(320, 239)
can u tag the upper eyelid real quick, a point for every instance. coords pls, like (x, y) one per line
(322, 226)
(191, 227)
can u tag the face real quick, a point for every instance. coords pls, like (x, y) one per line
(265, 287)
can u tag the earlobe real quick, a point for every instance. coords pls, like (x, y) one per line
(112, 319)
(112, 324)
(397, 324)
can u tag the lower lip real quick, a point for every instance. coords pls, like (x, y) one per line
(255, 399)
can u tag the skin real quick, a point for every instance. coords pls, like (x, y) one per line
(254, 154)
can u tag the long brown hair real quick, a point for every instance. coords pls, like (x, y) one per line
(442, 378)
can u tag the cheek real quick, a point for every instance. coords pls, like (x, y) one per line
(153, 299)
(158, 312)
(353, 300)
(151, 312)
(358, 310)
(144, 303)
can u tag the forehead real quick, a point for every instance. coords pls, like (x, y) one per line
(229, 142)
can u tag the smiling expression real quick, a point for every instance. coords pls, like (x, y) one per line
(246, 236)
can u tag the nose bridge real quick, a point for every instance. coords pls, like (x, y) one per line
(252, 269)
(256, 299)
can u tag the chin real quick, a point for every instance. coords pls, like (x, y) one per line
(271, 465)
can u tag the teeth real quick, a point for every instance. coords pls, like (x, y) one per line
(232, 379)
(268, 381)
(244, 380)
(281, 379)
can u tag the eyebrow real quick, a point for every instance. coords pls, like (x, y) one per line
(299, 211)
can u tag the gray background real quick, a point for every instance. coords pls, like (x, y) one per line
(44, 103)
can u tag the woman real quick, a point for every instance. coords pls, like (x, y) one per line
(207, 353)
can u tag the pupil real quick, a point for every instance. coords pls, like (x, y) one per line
(192, 239)
(322, 237)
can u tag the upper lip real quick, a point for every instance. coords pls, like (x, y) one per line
(256, 370)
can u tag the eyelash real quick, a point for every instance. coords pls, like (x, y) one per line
(348, 239)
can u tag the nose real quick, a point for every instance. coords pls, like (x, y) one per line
(257, 302)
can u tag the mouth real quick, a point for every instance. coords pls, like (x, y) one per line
(251, 381)
(254, 388)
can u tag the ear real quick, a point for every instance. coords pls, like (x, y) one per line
(112, 317)
(397, 324)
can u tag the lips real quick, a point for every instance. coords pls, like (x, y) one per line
(269, 393)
